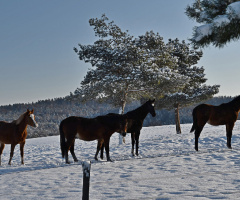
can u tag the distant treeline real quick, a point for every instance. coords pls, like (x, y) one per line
(49, 113)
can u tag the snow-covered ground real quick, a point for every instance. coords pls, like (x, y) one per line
(168, 168)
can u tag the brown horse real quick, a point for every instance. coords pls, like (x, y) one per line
(15, 133)
(100, 128)
(224, 114)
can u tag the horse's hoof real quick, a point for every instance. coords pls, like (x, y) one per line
(196, 149)
(96, 158)
(109, 160)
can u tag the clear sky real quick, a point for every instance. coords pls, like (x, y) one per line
(37, 37)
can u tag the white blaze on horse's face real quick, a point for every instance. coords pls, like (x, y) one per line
(33, 118)
(152, 104)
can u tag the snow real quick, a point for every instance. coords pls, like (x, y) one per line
(232, 12)
(206, 30)
(221, 20)
(168, 168)
(203, 31)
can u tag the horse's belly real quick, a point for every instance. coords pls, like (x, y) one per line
(216, 122)
(79, 136)
(85, 137)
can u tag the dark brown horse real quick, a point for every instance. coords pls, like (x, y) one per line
(135, 120)
(224, 114)
(100, 128)
(15, 133)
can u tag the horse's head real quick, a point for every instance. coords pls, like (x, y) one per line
(30, 118)
(123, 127)
(150, 107)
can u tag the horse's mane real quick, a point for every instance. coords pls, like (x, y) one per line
(235, 103)
(136, 112)
(18, 121)
(236, 99)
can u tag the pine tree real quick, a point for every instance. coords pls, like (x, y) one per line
(195, 90)
(220, 19)
(125, 68)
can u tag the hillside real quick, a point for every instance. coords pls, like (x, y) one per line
(49, 113)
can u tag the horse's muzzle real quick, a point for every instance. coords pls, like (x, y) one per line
(124, 134)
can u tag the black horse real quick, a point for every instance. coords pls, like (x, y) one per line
(135, 120)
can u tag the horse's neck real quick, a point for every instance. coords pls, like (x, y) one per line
(139, 113)
(21, 123)
(236, 104)
(22, 127)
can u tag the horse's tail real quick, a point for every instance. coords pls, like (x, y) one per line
(194, 121)
(62, 139)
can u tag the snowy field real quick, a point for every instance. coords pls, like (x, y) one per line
(168, 168)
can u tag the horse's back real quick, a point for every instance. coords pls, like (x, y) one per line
(84, 128)
(5, 126)
(201, 114)
(215, 115)
(6, 132)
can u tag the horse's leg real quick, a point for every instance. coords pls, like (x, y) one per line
(2, 145)
(198, 131)
(72, 152)
(68, 146)
(102, 150)
(101, 153)
(229, 128)
(133, 142)
(22, 152)
(106, 145)
(66, 157)
(137, 141)
(11, 153)
(99, 147)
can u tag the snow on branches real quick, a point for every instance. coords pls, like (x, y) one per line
(220, 18)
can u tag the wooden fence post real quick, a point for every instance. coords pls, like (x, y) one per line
(86, 165)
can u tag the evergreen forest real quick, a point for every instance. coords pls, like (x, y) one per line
(49, 113)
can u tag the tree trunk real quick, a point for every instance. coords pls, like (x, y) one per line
(177, 119)
(121, 111)
(123, 106)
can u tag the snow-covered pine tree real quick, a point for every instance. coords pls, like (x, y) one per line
(125, 68)
(159, 65)
(195, 90)
(220, 19)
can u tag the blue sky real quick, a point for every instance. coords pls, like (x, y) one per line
(37, 60)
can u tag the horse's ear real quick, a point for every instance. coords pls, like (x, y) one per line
(32, 111)
(28, 110)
